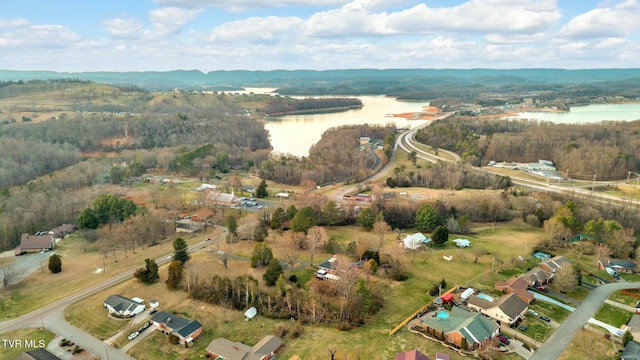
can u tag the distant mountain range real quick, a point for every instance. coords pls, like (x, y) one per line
(226, 80)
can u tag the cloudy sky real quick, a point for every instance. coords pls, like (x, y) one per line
(138, 35)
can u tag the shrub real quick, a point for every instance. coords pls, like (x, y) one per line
(293, 278)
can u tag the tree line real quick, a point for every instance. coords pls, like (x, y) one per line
(608, 150)
(336, 157)
(279, 105)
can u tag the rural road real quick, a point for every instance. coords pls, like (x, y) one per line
(562, 336)
(52, 315)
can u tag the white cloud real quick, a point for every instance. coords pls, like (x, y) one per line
(604, 22)
(9, 23)
(244, 5)
(473, 17)
(124, 28)
(41, 36)
(267, 30)
(171, 20)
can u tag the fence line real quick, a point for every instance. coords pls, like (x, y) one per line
(417, 312)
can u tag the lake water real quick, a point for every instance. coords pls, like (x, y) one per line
(589, 114)
(294, 134)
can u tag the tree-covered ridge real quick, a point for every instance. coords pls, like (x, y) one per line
(286, 105)
(24, 160)
(336, 157)
(607, 149)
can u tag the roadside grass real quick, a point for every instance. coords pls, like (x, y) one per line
(578, 293)
(536, 326)
(623, 298)
(79, 270)
(31, 335)
(591, 344)
(613, 315)
(555, 312)
(624, 190)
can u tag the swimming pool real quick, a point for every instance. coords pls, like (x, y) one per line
(485, 297)
(443, 314)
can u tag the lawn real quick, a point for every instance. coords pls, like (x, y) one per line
(591, 344)
(623, 298)
(30, 335)
(537, 329)
(613, 315)
(555, 312)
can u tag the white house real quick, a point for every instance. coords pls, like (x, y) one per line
(121, 306)
(415, 241)
(462, 243)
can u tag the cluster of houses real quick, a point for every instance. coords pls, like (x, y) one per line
(476, 324)
(187, 331)
(43, 240)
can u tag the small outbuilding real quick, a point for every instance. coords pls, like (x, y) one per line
(462, 243)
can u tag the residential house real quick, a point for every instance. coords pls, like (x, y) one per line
(537, 276)
(517, 286)
(622, 266)
(330, 265)
(202, 215)
(554, 263)
(415, 241)
(411, 355)
(508, 309)
(462, 243)
(224, 349)
(441, 356)
(62, 230)
(37, 354)
(35, 243)
(186, 330)
(188, 226)
(631, 351)
(121, 306)
(633, 326)
(460, 327)
(220, 198)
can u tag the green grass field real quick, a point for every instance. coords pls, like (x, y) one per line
(613, 315)
(27, 337)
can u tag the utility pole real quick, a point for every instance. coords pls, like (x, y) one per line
(593, 185)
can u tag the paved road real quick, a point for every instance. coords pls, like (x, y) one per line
(560, 339)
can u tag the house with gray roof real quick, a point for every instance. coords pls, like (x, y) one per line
(461, 327)
(35, 243)
(625, 266)
(555, 263)
(631, 351)
(507, 310)
(537, 276)
(37, 354)
(186, 330)
(121, 306)
(225, 349)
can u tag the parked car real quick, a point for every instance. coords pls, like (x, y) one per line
(220, 252)
(541, 288)
(144, 327)
(133, 335)
(523, 328)
(544, 318)
(533, 312)
(524, 345)
(153, 311)
(503, 339)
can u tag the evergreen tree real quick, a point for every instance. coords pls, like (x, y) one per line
(181, 251)
(277, 218)
(55, 263)
(261, 255)
(440, 235)
(366, 218)
(174, 278)
(149, 273)
(261, 191)
(271, 275)
(304, 220)
(232, 229)
(291, 212)
(88, 219)
(261, 231)
(426, 218)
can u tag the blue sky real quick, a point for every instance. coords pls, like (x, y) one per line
(139, 35)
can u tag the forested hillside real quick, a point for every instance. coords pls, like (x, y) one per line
(608, 150)
(336, 157)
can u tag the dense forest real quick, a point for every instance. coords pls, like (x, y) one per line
(336, 157)
(608, 150)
